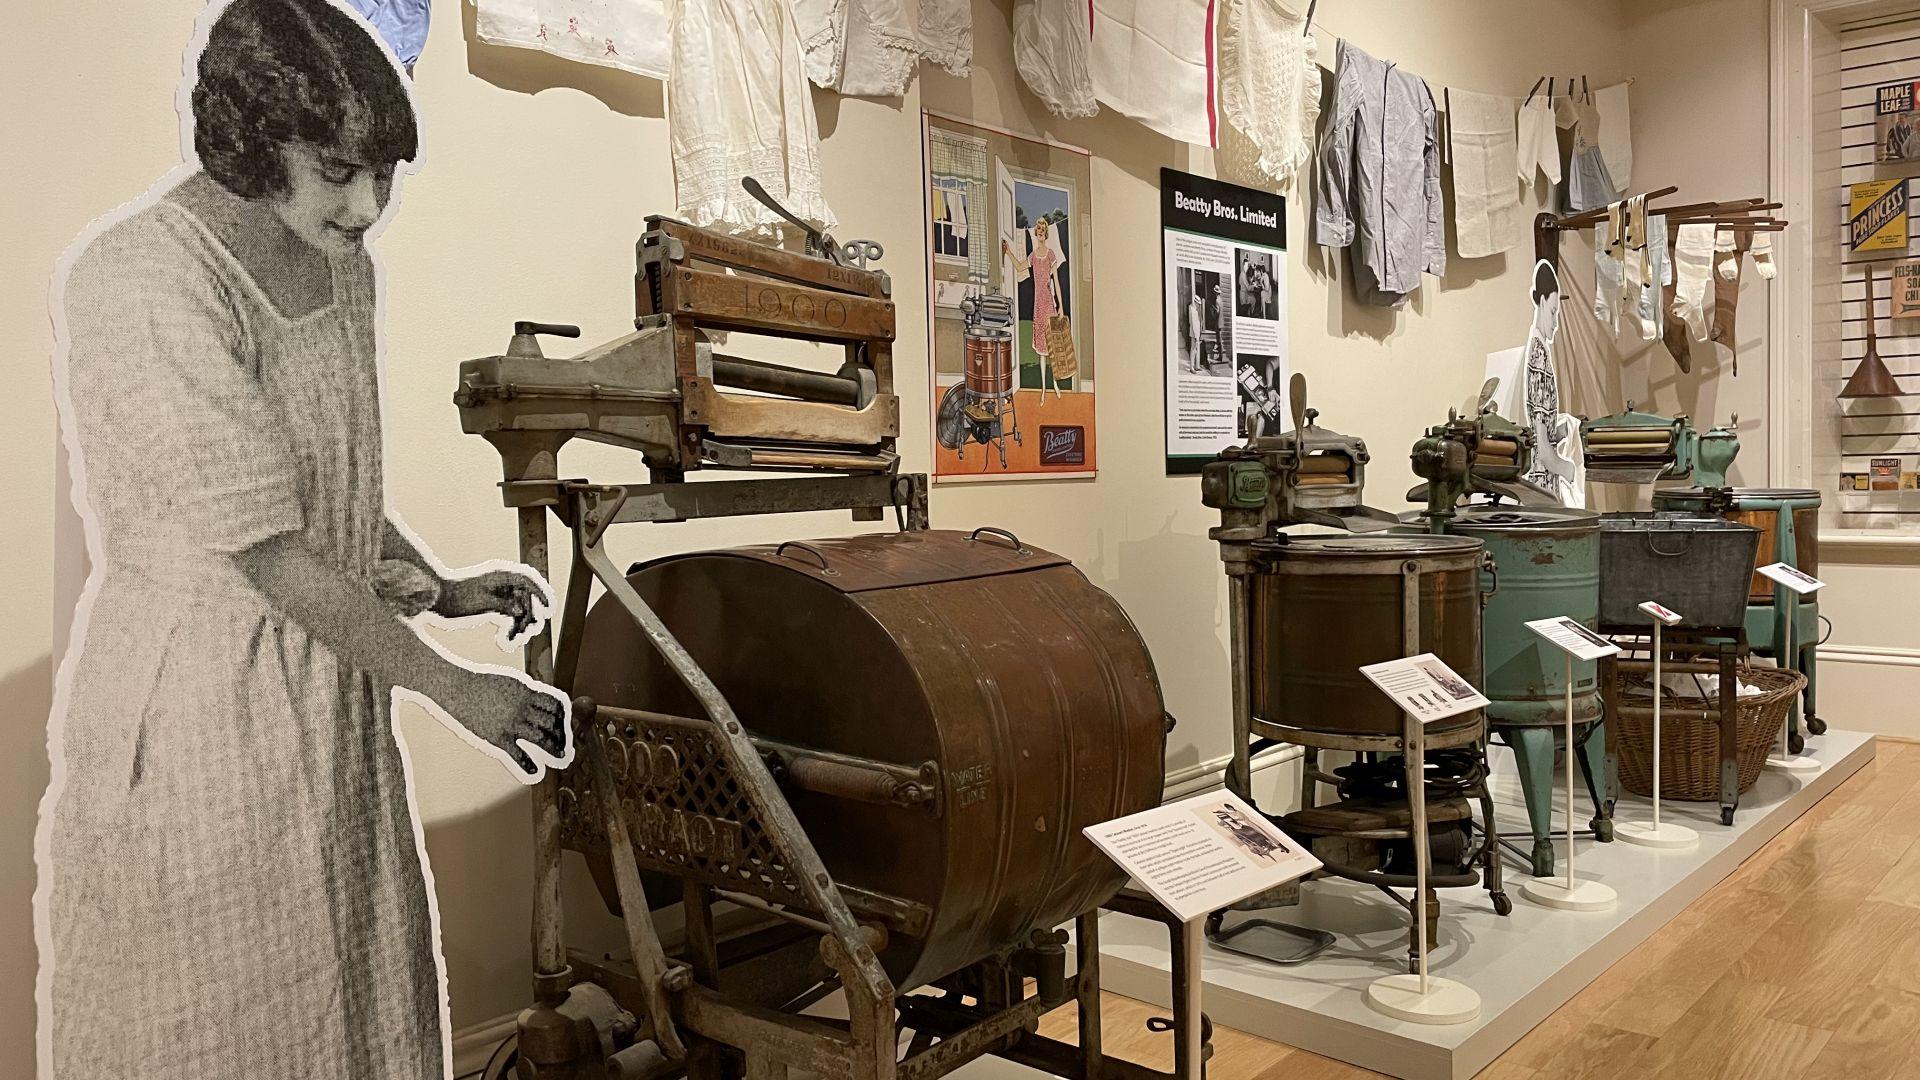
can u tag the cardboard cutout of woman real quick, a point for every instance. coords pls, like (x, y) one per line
(232, 880)
(1552, 466)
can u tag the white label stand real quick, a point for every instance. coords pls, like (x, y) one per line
(1570, 893)
(1785, 587)
(1421, 998)
(1656, 835)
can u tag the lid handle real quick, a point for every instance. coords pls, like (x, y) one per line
(994, 530)
(781, 552)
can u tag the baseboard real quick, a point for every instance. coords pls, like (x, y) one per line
(1213, 773)
(473, 1046)
(1870, 654)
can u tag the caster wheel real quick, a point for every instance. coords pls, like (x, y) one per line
(1502, 905)
(1543, 859)
(1816, 726)
(1796, 742)
(1726, 815)
(1603, 830)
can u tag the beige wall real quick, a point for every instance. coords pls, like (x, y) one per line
(538, 174)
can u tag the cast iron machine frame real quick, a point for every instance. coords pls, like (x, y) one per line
(729, 1007)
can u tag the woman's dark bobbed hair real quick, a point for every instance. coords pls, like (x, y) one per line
(283, 71)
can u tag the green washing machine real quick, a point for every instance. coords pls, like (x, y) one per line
(1546, 564)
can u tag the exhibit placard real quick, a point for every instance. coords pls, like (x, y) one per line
(1572, 637)
(1200, 854)
(1224, 283)
(1425, 687)
(1786, 574)
(1666, 615)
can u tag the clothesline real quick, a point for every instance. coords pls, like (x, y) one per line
(1317, 30)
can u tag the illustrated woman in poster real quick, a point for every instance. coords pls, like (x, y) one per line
(231, 877)
(1042, 262)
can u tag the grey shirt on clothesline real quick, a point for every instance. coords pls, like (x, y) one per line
(1379, 174)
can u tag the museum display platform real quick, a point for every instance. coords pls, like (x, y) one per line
(1524, 966)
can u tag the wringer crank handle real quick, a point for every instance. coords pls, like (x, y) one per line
(854, 253)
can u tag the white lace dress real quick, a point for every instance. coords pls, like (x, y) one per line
(738, 105)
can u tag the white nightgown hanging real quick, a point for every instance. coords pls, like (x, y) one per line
(861, 48)
(627, 34)
(1270, 83)
(738, 105)
(1052, 42)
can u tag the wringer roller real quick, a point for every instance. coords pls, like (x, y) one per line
(1548, 560)
(780, 741)
(1306, 612)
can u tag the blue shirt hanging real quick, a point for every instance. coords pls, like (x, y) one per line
(401, 23)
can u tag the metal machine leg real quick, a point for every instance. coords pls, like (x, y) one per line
(1594, 766)
(1533, 752)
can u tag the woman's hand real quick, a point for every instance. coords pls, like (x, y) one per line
(496, 592)
(503, 711)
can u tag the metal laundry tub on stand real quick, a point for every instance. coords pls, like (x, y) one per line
(1789, 521)
(1388, 596)
(1697, 567)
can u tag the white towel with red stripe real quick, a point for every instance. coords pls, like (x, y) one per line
(1153, 60)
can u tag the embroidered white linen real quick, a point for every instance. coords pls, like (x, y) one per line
(627, 34)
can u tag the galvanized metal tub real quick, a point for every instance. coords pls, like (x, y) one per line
(1323, 607)
(1548, 564)
(1001, 664)
(1761, 508)
(1697, 566)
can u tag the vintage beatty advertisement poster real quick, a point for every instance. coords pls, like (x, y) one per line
(1224, 283)
(1010, 284)
(1877, 217)
(1895, 136)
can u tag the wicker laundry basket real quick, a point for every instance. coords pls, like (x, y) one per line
(1690, 735)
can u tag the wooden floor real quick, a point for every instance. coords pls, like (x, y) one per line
(1803, 963)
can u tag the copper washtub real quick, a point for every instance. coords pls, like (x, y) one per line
(993, 675)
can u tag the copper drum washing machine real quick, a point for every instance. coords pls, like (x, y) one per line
(945, 712)
(1320, 608)
(980, 408)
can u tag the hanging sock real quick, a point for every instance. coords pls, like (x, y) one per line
(1727, 298)
(1693, 277)
(1763, 255)
(1726, 256)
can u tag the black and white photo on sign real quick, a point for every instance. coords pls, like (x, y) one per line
(1206, 323)
(1258, 843)
(1258, 295)
(1579, 629)
(231, 877)
(1455, 686)
(1263, 409)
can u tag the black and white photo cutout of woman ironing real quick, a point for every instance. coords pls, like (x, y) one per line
(232, 880)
